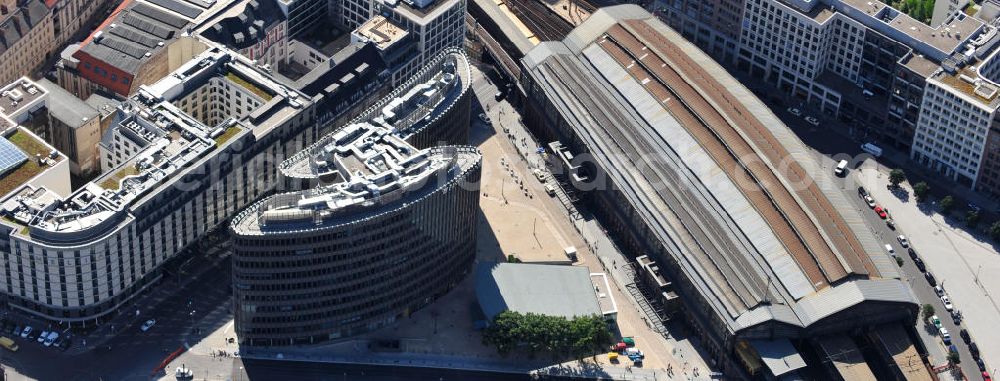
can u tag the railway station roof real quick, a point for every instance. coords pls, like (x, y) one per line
(727, 189)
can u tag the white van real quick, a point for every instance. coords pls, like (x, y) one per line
(841, 167)
(874, 150)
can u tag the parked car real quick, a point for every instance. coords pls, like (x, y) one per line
(17, 330)
(26, 332)
(794, 111)
(913, 253)
(903, 242)
(841, 168)
(930, 278)
(945, 336)
(956, 317)
(813, 121)
(51, 338)
(981, 364)
(862, 192)
(147, 325)
(881, 212)
(33, 335)
(952, 348)
(947, 303)
(939, 291)
(986, 375)
(870, 201)
(974, 350)
(889, 248)
(920, 264)
(936, 322)
(42, 336)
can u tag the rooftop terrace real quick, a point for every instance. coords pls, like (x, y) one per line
(380, 31)
(171, 141)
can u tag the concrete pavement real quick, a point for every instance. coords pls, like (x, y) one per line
(954, 257)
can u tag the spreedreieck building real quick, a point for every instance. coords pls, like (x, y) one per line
(386, 229)
(682, 163)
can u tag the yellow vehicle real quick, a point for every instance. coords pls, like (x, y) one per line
(9, 344)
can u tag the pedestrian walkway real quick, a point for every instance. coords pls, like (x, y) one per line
(332, 354)
(612, 260)
(156, 294)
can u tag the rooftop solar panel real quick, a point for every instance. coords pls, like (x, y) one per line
(10, 156)
(134, 36)
(159, 16)
(179, 7)
(151, 28)
(124, 47)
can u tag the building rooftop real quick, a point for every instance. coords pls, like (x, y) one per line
(552, 290)
(920, 65)
(16, 173)
(20, 96)
(139, 29)
(19, 21)
(937, 42)
(367, 167)
(242, 25)
(422, 11)
(745, 246)
(103, 104)
(380, 31)
(172, 143)
(66, 107)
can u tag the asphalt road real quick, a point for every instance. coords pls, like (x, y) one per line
(133, 353)
(829, 144)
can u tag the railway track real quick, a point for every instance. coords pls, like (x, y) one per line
(759, 183)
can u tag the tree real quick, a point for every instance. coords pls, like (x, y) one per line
(899, 261)
(947, 203)
(543, 333)
(512, 259)
(928, 311)
(954, 358)
(920, 190)
(995, 230)
(896, 176)
(971, 218)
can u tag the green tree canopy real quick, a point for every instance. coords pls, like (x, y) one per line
(921, 190)
(995, 230)
(896, 176)
(928, 311)
(947, 203)
(542, 333)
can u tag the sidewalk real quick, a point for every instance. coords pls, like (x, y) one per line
(612, 260)
(363, 356)
(153, 296)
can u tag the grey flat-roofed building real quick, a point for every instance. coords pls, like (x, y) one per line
(689, 167)
(552, 290)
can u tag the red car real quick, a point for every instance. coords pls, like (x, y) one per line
(881, 212)
(986, 376)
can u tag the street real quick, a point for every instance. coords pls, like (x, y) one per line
(133, 354)
(834, 147)
(308, 371)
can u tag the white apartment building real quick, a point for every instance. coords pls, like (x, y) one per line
(954, 130)
(433, 25)
(77, 257)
